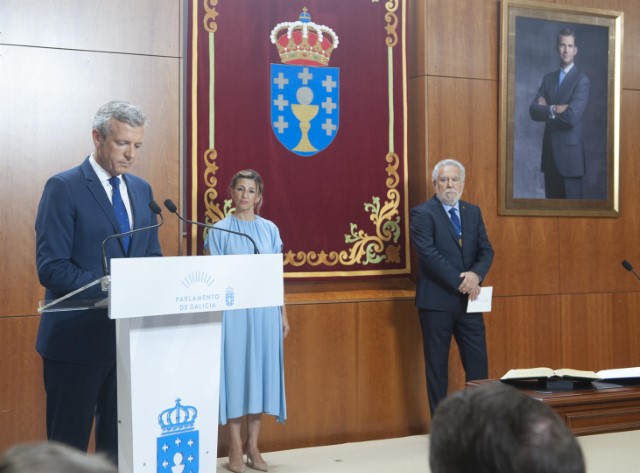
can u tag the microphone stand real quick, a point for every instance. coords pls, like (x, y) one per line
(106, 279)
(171, 207)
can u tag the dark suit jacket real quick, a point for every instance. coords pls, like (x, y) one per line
(74, 216)
(563, 135)
(441, 258)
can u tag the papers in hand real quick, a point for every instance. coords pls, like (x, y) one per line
(483, 302)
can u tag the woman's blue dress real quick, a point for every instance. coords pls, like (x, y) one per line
(252, 361)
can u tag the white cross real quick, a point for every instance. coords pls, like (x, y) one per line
(304, 76)
(190, 442)
(280, 102)
(329, 84)
(329, 106)
(165, 463)
(190, 458)
(329, 127)
(281, 80)
(178, 441)
(165, 447)
(280, 124)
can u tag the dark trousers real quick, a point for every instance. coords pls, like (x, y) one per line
(438, 327)
(557, 186)
(76, 394)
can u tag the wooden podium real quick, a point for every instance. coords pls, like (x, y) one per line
(168, 328)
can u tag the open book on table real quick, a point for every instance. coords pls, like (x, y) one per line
(571, 374)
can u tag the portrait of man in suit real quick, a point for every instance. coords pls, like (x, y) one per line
(561, 103)
(80, 209)
(455, 255)
(559, 150)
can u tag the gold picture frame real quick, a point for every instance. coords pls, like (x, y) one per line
(589, 161)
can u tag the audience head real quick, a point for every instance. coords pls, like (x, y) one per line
(52, 457)
(494, 428)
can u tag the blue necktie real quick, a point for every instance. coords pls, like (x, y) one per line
(561, 77)
(121, 213)
(456, 223)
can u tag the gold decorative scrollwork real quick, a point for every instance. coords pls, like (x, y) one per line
(210, 15)
(365, 249)
(212, 212)
(392, 23)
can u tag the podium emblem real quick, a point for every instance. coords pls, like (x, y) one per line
(178, 445)
(305, 93)
(229, 297)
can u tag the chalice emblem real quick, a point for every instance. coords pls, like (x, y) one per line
(304, 112)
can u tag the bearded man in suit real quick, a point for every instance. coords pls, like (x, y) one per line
(454, 257)
(78, 210)
(561, 103)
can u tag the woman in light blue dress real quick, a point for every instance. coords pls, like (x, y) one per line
(252, 368)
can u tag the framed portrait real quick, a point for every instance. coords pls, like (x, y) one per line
(559, 110)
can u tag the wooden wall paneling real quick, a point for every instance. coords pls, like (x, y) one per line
(143, 27)
(462, 123)
(22, 415)
(52, 96)
(600, 331)
(526, 258)
(354, 371)
(523, 332)
(419, 174)
(590, 254)
(321, 366)
(416, 38)
(628, 231)
(592, 248)
(390, 377)
(462, 37)
(630, 42)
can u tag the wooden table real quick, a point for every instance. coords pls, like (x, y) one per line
(607, 408)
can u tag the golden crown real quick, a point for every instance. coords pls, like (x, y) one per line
(304, 42)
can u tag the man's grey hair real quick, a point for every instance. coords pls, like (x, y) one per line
(447, 162)
(124, 112)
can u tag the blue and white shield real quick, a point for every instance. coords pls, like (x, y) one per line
(229, 297)
(305, 106)
(178, 453)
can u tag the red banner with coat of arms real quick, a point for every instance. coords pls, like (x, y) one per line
(312, 95)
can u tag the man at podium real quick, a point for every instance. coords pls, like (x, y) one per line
(79, 210)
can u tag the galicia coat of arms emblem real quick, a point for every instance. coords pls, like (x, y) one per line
(178, 446)
(305, 92)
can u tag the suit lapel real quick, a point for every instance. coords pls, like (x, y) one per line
(97, 190)
(464, 222)
(553, 87)
(446, 221)
(567, 84)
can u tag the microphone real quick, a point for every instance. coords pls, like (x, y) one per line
(629, 267)
(171, 207)
(155, 208)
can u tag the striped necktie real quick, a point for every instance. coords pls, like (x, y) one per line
(456, 224)
(121, 213)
